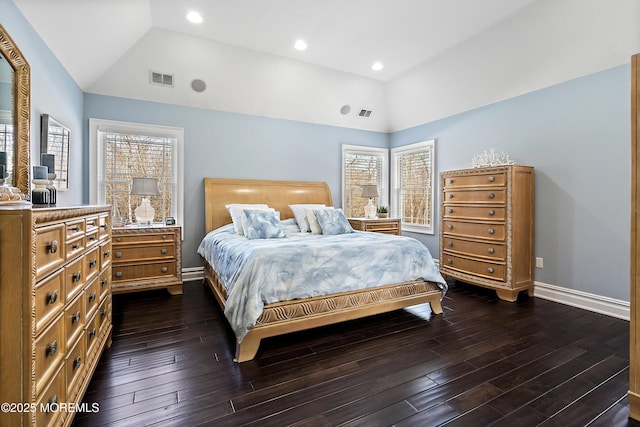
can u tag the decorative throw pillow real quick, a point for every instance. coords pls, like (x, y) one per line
(300, 214)
(314, 227)
(235, 210)
(332, 221)
(263, 224)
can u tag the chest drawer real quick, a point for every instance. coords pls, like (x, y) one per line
(143, 271)
(50, 298)
(498, 195)
(498, 179)
(475, 229)
(146, 252)
(50, 350)
(492, 251)
(49, 248)
(484, 269)
(490, 213)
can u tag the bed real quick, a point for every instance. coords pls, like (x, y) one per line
(282, 317)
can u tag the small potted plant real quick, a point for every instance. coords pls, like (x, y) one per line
(383, 211)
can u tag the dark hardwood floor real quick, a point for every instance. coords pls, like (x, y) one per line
(484, 362)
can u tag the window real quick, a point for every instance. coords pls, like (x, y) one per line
(363, 165)
(412, 182)
(122, 151)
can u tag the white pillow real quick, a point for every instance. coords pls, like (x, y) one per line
(235, 210)
(300, 214)
(314, 225)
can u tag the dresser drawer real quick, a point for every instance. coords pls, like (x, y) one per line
(105, 283)
(49, 248)
(139, 238)
(50, 299)
(50, 351)
(139, 253)
(75, 229)
(92, 224)
(91, 334)
(498, 195)
(92, 238)
(105, 254)
(474, 229)
(143, 271)
(74, 278)
(475, 212)
(104, 315)
(104, 224)
(75, 247)
(382, 227)
(75, 317)
(498, 179)
(481, 268)
(492, 251)
(54, 394)
(74, 366)
(92, 264)
(92, 298)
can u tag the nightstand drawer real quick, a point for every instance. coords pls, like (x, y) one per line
(143, 271)
(381, 227)
(146, 252)
(142, 237)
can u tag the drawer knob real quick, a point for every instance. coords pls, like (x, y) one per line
(106, 254)
(103, 282)
(164, 237)
(451, 196)
(92, 333)
(491, 250)
(118, 254)
(491, 195)
(491, 179)
(491, 231)
(449, 261)
(450, 244)
(450, 210)
(77, 362)
(164, 269)
(75, 277)
(75, 228)
(104, 313)
(492, 212)
(450, 227)
(52, 297)
(92, 297)
(92, 238)
(53, 402)
(118, 239)
(103, 226)
(52, 247)
(450, 180)
(118, 274)
(164, 251)
(490, 270)
(93, 263)
(76, 318)
(52, 348)
(75, 246)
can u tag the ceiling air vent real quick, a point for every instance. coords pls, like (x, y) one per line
(364, 113)
(162, 79)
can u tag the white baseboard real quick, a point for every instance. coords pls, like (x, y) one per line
(592, 302)
(192, 273)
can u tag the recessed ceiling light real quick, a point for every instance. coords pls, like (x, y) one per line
(300, 45)
(194, 17)
(377, 66)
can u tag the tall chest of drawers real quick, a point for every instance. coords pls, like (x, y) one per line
(55, 309)
(486, 233)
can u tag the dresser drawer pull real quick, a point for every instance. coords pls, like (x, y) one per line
(492, 212)
(103, 282)
(164, 237)
(106, 254)
(118, 239)
(52, 247)
(491, 195)
(52, 297)
(52, 404)
(93, 263)
(52, 348)
(92, 334)
(92, 238)
(491, 179)
(75, 228)
(449, 261)
(491, 250)
(451, 196)
(450, 244)
(104, 313)
(92, 297)
(118, 254)
(118, 274)
(76, 318)
(164, 251)
(75, 277)
(450, 211)
(91, 223)
(490, 270)
(77, 362)
(75, 247)
(450, 227)
(491, 231)
(164, 269)
(451, 181)
(103, 226)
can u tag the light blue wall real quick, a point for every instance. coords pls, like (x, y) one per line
(230, 145)
(577, 135)
(53, 91)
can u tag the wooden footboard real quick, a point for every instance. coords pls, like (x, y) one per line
(297, 315)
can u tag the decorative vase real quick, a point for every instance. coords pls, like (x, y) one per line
(145, 212)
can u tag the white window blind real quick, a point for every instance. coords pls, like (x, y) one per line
(363, 165)
(412, 177)
(125, 151)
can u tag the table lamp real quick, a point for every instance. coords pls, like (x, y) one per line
(145, 187)
(370, 191)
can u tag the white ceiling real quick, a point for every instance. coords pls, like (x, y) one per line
(345, 35)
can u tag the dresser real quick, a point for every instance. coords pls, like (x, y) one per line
(55, 309)
(378, 225)
(147, 257)
(486, 232)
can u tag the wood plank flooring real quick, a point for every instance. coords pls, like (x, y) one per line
(484, 362)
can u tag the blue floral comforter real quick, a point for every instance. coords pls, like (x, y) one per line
(262, 271)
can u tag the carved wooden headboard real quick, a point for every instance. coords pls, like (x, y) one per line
(277, 194)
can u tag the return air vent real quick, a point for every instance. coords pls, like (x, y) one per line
(364, 113)
(161, 79)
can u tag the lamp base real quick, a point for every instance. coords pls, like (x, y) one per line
(370, 210)
(145, 212)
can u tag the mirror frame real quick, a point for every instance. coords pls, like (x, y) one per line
(21, 111)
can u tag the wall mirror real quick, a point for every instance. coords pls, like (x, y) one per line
(55, 140)
(15, 112)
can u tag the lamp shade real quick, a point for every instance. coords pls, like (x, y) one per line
(369, 190)
(145, 187)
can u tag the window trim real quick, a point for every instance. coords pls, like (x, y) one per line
(96, 125)
(383, 198)
(395, 191)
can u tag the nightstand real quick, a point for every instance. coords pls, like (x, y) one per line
(147, 257)
(378, 225)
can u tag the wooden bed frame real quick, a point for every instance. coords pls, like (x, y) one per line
(291, 316)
